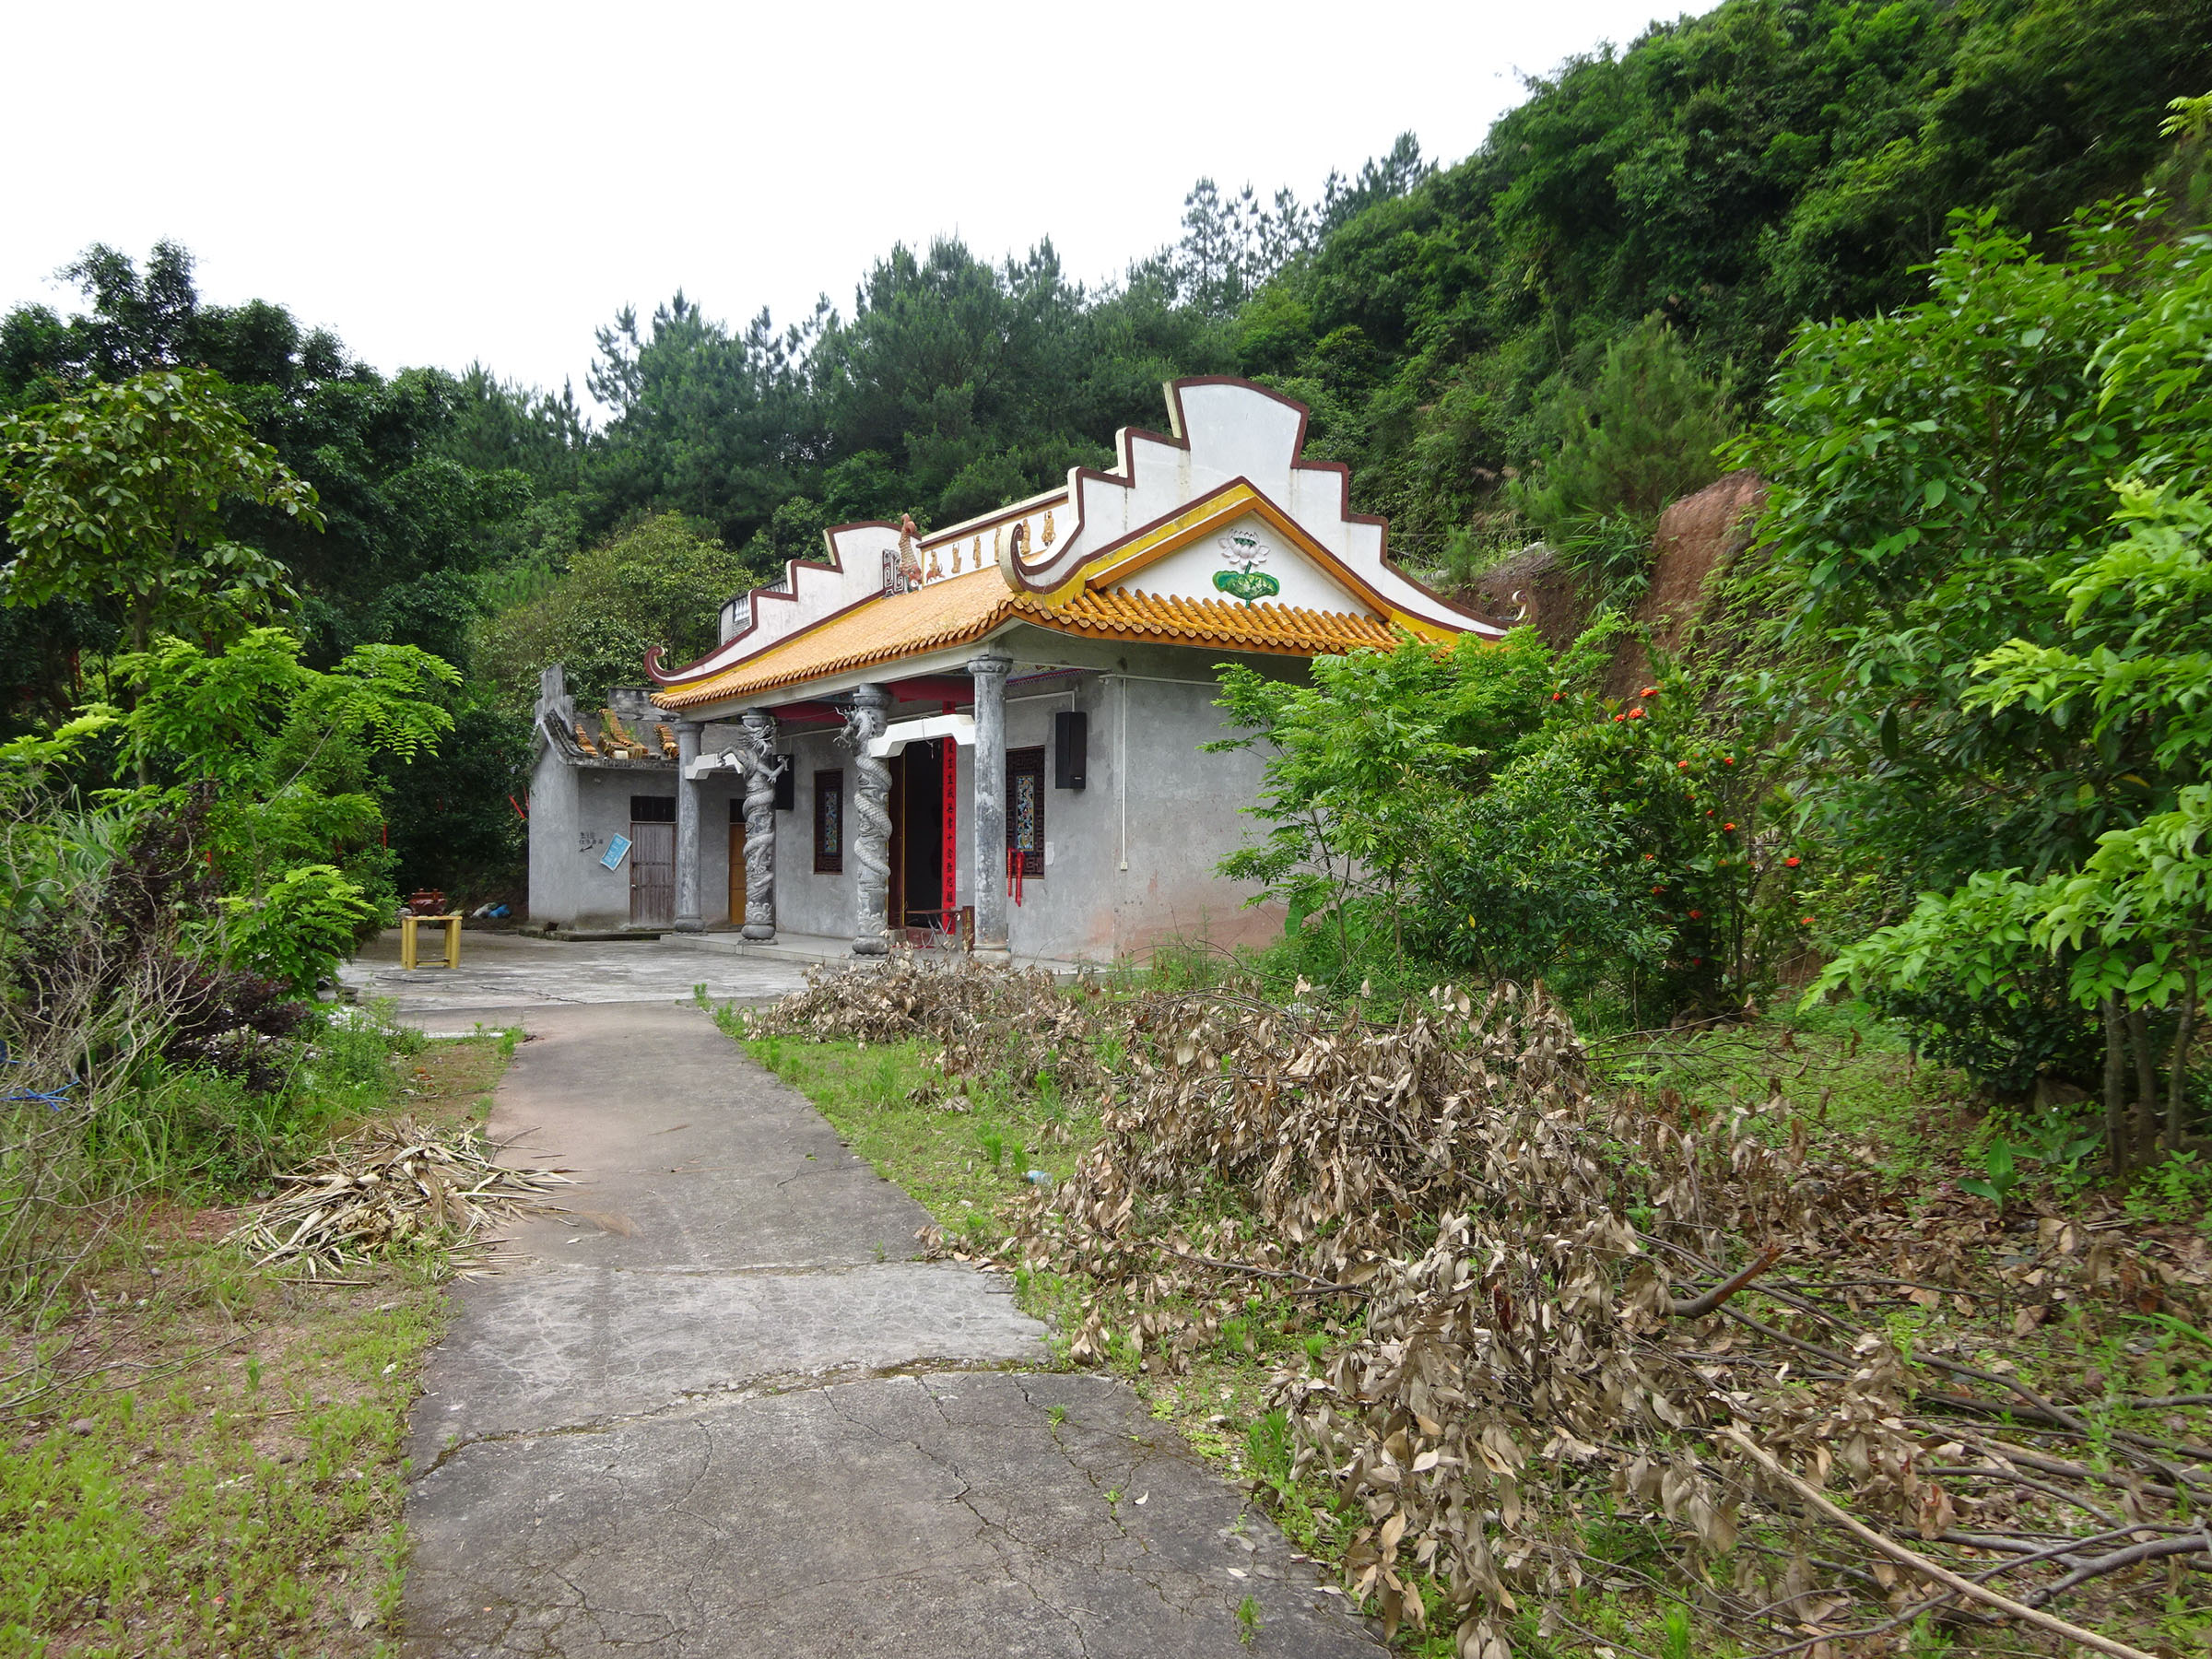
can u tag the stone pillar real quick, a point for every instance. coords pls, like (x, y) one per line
(989, 672)
(761, 771)
(868, 820)
(687, 827)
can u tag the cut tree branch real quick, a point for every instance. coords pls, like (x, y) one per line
(1696, 1307)
(2133, 1556)
(1858, 1529)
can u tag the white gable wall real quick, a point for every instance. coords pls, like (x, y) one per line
(1232, 431)
(1189, 572)
(810, 593)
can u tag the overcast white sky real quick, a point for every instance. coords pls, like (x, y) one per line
(443, 182)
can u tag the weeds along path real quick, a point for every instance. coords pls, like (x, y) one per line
(718, 1408)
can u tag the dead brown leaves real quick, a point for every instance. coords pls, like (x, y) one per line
(393, 1186)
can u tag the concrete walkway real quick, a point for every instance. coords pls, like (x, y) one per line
(718, 1410)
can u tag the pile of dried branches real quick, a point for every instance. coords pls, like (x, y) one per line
(1541, 1291)
(988, 1022)
(395, 1186)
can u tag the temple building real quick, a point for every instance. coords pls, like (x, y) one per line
(991, 735)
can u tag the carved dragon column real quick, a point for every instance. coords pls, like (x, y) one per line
(687, 827)
(871, 819)
(989, 672)
(761, 770)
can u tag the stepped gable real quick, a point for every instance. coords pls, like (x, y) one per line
(1139, 553)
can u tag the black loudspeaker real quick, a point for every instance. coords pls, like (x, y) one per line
(1071, 739)
(787, 785)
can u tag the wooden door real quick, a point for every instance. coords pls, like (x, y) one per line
(736, 872)
(652, 875)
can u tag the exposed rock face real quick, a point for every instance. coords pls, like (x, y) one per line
(1532, 586)
(1697, 536)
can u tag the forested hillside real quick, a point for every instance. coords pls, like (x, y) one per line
(1730, 176)
(1731, 1053)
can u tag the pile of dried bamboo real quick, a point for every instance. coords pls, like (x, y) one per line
(1832, 1402)
(395, 1186)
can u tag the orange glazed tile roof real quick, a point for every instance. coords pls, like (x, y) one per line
(965, 607)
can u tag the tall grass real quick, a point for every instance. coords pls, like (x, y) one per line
(182, 1132)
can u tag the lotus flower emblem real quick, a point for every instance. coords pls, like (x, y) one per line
(1246, 552)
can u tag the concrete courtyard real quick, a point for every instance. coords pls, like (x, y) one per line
(503, 973)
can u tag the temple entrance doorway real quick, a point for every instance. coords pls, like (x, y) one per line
(918, 837)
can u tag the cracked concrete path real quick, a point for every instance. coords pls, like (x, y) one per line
(718, 1409)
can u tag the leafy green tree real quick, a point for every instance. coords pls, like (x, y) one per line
(1735, 173)
(119, 492)
(290, 750)
(1935, 475)
(1363, 765)
(2120, 674)
(1545, 863)
(1641, 436)
(660, 584)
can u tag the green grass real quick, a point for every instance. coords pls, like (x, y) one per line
(245, 1495)
(962, 1151)
(213, 1463)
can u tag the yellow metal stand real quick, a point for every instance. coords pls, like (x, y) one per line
(407, 950)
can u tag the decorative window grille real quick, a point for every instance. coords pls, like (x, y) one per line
(653, 809)
(1025, 809)
(829, 823)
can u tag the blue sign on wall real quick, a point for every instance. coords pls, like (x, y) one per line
(614, 849)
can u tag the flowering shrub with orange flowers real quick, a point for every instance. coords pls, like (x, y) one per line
(1648, 837)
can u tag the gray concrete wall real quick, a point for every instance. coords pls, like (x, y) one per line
(574, 814)
(1182, 822)
(1181, 810)
(554, 819)
(806, 902)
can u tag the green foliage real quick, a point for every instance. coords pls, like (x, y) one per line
(290, 750)
(2003, 1175)
(1482, 808)
(660, 584)
(120, 491)
(1734, 175)
(1642, 435)
(299, 928)
(2047, 648)
(1361, 760)
(1549, 868)
(1936, 474)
